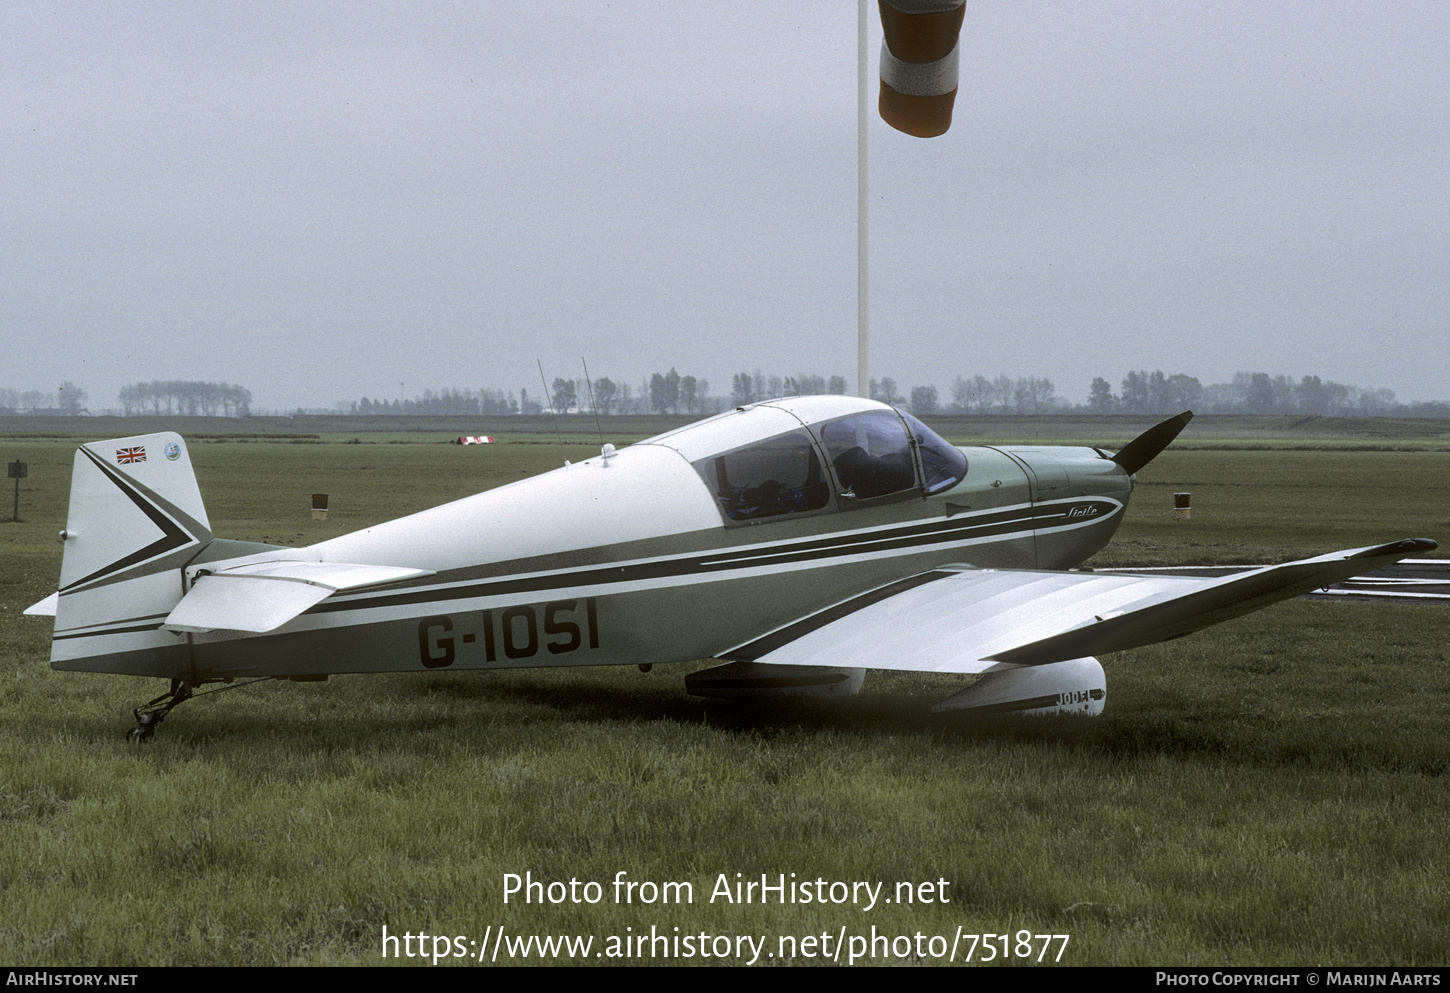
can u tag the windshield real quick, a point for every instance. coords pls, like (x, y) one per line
(943, 465)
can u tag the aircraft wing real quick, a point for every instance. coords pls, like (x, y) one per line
(262, 596)
(962, 619)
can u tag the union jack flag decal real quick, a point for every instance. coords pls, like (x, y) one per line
(125, 456)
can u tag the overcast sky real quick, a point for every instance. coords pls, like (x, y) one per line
(322, 200)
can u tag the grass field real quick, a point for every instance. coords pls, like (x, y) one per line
(1269, 791)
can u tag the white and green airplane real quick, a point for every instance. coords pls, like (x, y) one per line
(801, 541)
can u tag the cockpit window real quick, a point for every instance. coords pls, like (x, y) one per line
(781, 475)
(870, 453)
(942, 464)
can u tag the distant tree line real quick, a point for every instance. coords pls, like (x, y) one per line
(1145, 392)
(450, 401)
(1140, 392)
(184, 396)
(1000, 395)
(69, 399)
(661, 393)
(747, 388)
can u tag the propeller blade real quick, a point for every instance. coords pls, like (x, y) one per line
(1145, 448)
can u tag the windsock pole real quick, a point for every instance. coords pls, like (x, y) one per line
(919, 55)
(863, 295)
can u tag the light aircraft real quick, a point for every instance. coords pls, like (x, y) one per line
(800, 541)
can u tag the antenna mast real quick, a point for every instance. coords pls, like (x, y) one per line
(549, 399)
(592, 405)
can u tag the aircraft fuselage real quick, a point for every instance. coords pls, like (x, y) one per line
(629, 560)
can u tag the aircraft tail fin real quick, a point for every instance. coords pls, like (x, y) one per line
(135, 518)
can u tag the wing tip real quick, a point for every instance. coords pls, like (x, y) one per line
(1407, 546)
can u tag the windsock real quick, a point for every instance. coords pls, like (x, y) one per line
(919, 64)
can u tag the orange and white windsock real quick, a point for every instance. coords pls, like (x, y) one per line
(919, 64)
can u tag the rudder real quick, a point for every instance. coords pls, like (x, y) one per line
(135, 518)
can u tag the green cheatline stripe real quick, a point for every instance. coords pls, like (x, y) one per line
(1022, 522)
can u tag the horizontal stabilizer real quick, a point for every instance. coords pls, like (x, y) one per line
(262, 596)
(45, 608)
(242, 603)
(961, 619)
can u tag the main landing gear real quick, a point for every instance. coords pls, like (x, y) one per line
(151, 714)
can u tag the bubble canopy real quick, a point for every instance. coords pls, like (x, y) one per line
(809, 455)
